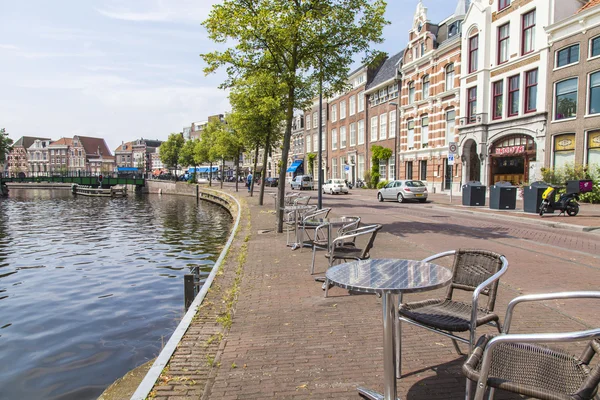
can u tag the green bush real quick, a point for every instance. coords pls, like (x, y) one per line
(367, 180)
(571, 171)
(381, 184)
(374, 180)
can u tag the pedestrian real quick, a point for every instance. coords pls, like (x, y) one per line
(249, 180)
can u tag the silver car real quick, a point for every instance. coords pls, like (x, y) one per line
(402, 190)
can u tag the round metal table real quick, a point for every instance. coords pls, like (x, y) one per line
(388, 277)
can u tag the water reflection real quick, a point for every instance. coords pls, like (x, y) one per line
(89, 286)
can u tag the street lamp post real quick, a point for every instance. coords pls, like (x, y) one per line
(396, 140)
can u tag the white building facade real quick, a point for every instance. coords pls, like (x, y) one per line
(503, 124)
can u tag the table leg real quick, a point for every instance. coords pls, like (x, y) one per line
(398, 333)
(389, 353)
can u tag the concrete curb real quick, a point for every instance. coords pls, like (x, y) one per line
(163, 358)
(558, 225)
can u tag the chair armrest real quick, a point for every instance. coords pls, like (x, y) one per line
(439, 255)
(353, 234)
(541, 297)
(320, 228)
(482, 286)
(529, 338)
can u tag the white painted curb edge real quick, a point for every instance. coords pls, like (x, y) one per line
(165, 355)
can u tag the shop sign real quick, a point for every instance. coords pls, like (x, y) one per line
(594, 138)
(510, 150)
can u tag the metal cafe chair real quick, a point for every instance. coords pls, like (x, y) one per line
(519, 363)
(345, 248)
(475, 271)
(310, 223)
(323, 236)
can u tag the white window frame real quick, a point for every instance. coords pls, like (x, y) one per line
(383, 126)
(410, 134)
(353, 134)
(343, 142)
(361, 101)
(334, 139)
(352, 105)
(342, 109)
(333, 112)
(374, 121)
(392, 120)
(361, 132)
(315, 120)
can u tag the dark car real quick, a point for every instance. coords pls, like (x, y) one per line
(271, 182)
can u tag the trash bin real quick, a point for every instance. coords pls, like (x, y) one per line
(503, 196)
(532, 197)
(473, 194)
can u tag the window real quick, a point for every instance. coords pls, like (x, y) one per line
(569, 55)
(425, 86)
(450, 122)
(594, 107)
(410, 126)
(308, 142)
(392, 124)
(424, 131)
(565, 101)
(323, 116)
(392, 168)
(361, 101)
(593, 148)
(473, 52)
(315, 142)
(411, 92)
(343, 109)
(471, 104)
(382, 170)
(564, 149)
(531, 81)
(450, 77)
(334, 168)
(333, 112)
(352, 134)
(498, 89)
(528, 34)
(315, 120)
(423, 170)
(374, 128)
(422, 49)
(342, 164)
(352, 105)
(361, 166)
(383, 126)
(502, 4)
(513, 95)
(342, 137)
(503, 33)
(361, 131)
(308, 121)
(409, 170)
(595, 47)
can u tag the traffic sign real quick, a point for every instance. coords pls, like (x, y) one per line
(453, 147)
(100, 178)
(450, 159)
(346, 168)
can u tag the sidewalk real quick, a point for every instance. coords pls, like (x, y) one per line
(289, 342)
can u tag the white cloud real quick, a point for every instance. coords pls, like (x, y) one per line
(159, 10)
(9, 47)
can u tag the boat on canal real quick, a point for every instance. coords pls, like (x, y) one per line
(113, 191)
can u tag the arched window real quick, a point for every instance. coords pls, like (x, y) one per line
(449, 76)
(425, 86)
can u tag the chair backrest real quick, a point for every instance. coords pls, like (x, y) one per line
(301, 200)
(370, 231)
(289, 198)
(353, 223)
(322, 213)
(473, 267)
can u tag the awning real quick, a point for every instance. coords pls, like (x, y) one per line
(203, 169)
(127, 169)
(294, 166)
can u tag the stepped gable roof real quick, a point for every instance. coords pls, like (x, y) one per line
(92, 144)
(62, 142)
(387, 70)
(27, 141)
(592, 3)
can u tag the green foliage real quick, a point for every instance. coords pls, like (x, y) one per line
(367, 180)
(378, 153)
(5, 145)
(311, 162)
(381, 184)
(186, 155)
(170, 150)
(572, 171)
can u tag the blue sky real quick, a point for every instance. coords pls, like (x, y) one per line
(123, 69)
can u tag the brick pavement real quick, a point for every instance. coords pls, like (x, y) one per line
(289, 342)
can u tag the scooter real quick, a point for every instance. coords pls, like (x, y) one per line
(566, 203)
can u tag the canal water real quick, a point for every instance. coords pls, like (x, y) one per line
(91, 288)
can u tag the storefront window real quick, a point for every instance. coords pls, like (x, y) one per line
(564, 150)
(593, 153)
(510, 158)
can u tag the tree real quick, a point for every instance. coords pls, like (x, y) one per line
(296, 42)
(310, 159)
(186, 156)
(378, 153)
(5, 145)
(170, 150)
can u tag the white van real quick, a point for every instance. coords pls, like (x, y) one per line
(302, 182)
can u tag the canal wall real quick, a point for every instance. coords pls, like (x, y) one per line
(198, 191)
(38, 185)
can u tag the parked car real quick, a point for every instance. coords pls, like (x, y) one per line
(271, 182)
(403, 190)
(302, 182)
(335, 186)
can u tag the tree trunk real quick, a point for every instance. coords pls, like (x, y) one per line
(254, 170)
(262, 181)
(210, 175)
(222, 172)
(284, 157)
(237, 171)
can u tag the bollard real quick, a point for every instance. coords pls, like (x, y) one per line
(188, 290)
